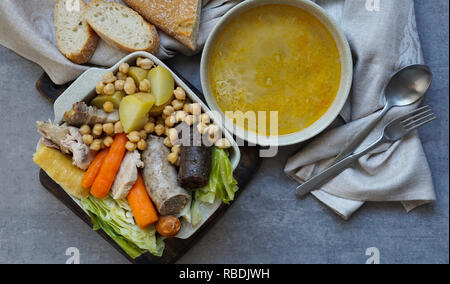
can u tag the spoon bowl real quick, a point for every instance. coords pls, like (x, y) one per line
(408, 85)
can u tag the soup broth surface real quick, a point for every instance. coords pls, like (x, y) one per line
(275, 58)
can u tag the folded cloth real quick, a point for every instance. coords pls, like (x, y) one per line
(383, 39)
(27, 28)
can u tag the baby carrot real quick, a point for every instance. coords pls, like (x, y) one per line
(142, 207)
(91, 173)
(108, 171)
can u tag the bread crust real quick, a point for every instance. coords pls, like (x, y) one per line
(89, 47)
(178, 18)
(154, 46)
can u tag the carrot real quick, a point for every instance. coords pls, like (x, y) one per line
(142, 207)
(108, 171)
(91, 173)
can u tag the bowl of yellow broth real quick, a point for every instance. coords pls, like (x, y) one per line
(276, 72)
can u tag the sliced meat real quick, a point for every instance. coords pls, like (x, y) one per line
(83, 114)
(127, 175)
(160, 179)
(68, 140)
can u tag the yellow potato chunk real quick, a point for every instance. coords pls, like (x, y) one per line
(138, 74)
(59, 168)
(99, 101)
(162, 84)
(133, 111)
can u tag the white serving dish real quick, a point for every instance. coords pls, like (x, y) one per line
(83, 89)
(326, 119)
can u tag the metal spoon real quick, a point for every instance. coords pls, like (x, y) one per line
(406, 87)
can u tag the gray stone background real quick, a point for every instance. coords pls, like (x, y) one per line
(267, 224)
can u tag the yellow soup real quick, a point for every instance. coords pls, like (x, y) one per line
(275, 58)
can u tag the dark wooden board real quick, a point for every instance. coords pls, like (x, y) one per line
(175, 248)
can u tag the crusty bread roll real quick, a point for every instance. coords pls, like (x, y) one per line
(178, 18)
(76, 40)
(121, 27)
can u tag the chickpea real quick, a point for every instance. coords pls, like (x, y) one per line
(177, 104)
(87, 139)
(145, 63)
(149, 127)
(223, 143)
(168, 226)
(99, 88)
(119, 85)
(196, 109)
(177, 163)
(176, 149)
(96, 145)
(168, 110)
(204, 118)
(143, 134)
(108, 128)
(134, 136)
(118, 128)
(180, 115)
(170, 121)
(108, 106)
(180, 94)
(172, 158)
(124, 67)
(187, 108)
(107, 141)
(142, 145)
(130, 146)
(109, 89)
(121, 76)
(144, 85)
(213, 133)
(97, 130)
(159, 129)
(202, 128)
(189, 119)
(85, 129)
(172, 133)
(130, 86)
(109, 78)
(167, 142)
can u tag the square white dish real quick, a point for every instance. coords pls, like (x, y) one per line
(83, 89)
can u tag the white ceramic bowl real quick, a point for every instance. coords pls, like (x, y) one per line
(326, 119)
(83, 89)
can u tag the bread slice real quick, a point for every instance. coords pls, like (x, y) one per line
(75, 38)
(121, 27)
(178, 18)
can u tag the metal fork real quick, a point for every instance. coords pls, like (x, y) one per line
(392, 132)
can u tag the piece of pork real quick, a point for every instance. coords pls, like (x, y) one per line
(68, 140)
(83, 114)
(127, 175)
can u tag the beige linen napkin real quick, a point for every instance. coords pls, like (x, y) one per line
(383, 38)
(26, 27)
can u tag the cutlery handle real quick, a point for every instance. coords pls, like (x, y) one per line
(318, 180)
(354, 143)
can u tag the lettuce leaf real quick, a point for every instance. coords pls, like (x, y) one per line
(221, 184)
(115, 218)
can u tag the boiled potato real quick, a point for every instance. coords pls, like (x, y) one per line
(98, 101)
(157, 110)
(162, 84)
(134, 110)
(138, 74)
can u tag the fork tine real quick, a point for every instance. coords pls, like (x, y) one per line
(420, 124)
(418, 118)
(413, 115)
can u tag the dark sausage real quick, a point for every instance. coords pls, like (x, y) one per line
(195, 165)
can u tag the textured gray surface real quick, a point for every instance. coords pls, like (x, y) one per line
(266, 225)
